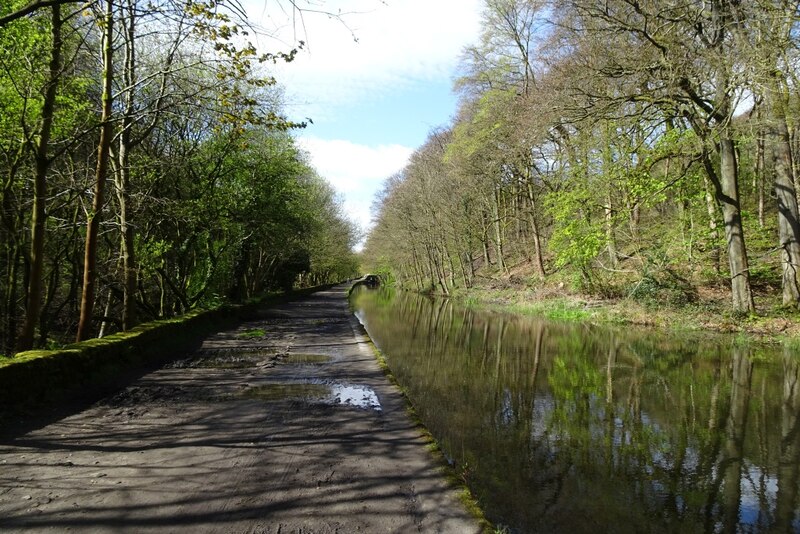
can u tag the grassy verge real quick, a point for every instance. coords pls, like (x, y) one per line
(772, 324)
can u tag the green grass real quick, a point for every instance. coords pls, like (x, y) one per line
(514, 302)
(772, 324)
(557, 310)
(253, 334)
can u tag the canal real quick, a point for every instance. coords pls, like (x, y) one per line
(569, 427)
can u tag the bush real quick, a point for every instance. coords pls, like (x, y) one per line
(663, 287)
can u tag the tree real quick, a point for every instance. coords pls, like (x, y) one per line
(193, 133)
(42, 158)
(768, 43)
(31, 8)
(101, 173)
(685, 63)
(144, 96)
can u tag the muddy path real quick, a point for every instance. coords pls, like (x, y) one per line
(284, 424)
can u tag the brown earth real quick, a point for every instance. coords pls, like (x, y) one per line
(272, 427)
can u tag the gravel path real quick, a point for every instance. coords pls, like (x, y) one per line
(283, 425)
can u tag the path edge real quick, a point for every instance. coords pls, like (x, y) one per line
(454, 481)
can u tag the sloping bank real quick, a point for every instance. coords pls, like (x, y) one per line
(93, 367)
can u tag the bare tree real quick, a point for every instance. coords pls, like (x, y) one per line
(682, 57)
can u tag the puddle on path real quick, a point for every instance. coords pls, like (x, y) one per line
(358, 396)
(307, 359)
(228, 360)
(315, 392)
(274, 392)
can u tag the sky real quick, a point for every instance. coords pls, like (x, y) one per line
(374, 81)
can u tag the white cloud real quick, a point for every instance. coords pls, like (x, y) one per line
(399, 42)
(357, 171)
(351, 167)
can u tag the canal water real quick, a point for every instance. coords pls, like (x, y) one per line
(562, 427)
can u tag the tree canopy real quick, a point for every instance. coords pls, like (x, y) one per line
(621, 148)
(148, 168)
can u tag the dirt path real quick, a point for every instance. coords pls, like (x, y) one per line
(283, 425)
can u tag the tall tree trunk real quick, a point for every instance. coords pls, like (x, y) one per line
(608, 209)
(103, 151)
(11, 221)
(712, 121)
(487, 260)
(418, 274)
(538, 260)
(451, 264)
(123, 179)
(734, 231)
(431, 267)
(498, 230)
(713, 230)
(463, 267)
(727, 193)
(39, 216)
(788, 224)
(760, 174)
(106, 312)
(438, 261)
(129, 270)
(54, 282)
(8, 340)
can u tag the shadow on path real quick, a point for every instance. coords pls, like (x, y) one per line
(198, 446)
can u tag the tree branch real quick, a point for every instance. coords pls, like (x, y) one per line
(30, 8)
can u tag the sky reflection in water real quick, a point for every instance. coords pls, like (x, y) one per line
(576, 428)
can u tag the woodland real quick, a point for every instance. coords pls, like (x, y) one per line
(642, 149)
(147, 168)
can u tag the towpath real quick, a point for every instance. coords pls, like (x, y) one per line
(282, 425)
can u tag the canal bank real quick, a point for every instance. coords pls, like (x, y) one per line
(561, 426)
(710, 311)
(284, 423)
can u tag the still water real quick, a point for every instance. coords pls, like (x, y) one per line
(577, 428)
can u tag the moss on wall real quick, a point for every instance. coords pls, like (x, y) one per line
(39, 377)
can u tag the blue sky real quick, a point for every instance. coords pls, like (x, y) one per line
(375, 82)
(403, 115)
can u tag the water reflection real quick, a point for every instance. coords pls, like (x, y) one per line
(576, 428)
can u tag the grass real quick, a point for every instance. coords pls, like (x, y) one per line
(558, 310)
(520, 302)
(255, 333)
(773, 323)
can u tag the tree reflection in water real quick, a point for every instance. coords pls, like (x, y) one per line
(577, 428)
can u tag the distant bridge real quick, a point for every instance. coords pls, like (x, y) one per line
(368, 280)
